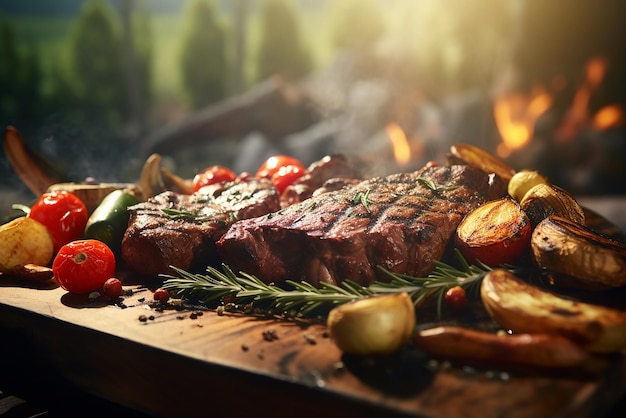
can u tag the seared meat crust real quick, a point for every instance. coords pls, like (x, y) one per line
(402, 222)
(185, 237)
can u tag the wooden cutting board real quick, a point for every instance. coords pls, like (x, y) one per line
(191, 362)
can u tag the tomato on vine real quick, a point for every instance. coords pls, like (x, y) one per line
(83, 266)
(63, 214)
(285, 176)
(211, 175)
(274, 163)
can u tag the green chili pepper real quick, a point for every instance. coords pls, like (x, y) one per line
(109, 220)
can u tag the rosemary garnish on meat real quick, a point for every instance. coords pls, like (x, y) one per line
(302, 299)
(361, 197)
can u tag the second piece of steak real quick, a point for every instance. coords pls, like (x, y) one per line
(173, 229)
(402, 222)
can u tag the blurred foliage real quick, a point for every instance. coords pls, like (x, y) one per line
(467, 46)
(282, 49)
(20, 76)
(357, 24)
(141, 32)
(96, 63)
(204, 65)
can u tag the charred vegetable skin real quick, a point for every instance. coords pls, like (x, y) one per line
(544, 200)
(534, 350)
(578, 257)
(474, 156)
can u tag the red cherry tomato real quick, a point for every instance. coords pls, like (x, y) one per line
(212, 175)
(64, 215)
(285, 176)
(112, 288)
(161, 295)
(83, 266)
(273, 164)
(456, 297)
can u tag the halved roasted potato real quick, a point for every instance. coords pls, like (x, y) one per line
(579, 257)
(546, 199)
(495, 233)
(468, 154)
(524, 308)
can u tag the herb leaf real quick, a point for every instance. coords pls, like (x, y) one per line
(361, 197)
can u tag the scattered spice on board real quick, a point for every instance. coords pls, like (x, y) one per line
(270, 335)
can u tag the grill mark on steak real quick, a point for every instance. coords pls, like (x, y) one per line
(397, 222)
(155, 240)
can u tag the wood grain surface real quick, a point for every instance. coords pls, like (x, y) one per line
(190, 362)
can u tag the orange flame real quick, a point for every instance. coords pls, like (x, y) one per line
(399, 142)
(608, 117)
(516, 115)
(578, 114)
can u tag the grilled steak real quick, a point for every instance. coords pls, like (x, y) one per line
(402, 222)
(331, 167)
(185, 236)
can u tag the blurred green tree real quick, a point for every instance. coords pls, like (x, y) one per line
(356, 24)
(282, 49)
(96, 63)
(20, 77)
(137, 50)
(204, 64)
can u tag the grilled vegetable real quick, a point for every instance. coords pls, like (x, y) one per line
(93, 194)
(535, 350)
(109, 220)
(24, 241)
(36, 173)
(373, 326)
(468, 154)
(524, 308)
(523, 181)
(578, 256)
(495, 233)
(545, 199)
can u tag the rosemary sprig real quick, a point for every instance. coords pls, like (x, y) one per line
(361, 197)
(186, 215)
(305, 299)
(429, 184)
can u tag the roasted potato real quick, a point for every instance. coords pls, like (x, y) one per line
(577, 256)
(495, 233)
(24, 241)
(524, 308)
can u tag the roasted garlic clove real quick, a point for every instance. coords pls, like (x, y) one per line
(524, 308)
(579, 257)
(544, 200)
(376, 325)
(474, 156)
(523, 181)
